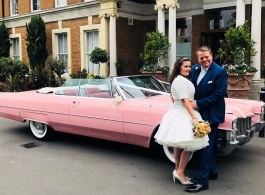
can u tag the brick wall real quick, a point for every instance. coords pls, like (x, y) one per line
(198, 26)
(69, 2)
(49, 27)
(47, 4)
(130, 42)
(7, 7)
(74, 25)
(24, 7)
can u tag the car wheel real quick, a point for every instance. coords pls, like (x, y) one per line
(40, 130)
(169, 152)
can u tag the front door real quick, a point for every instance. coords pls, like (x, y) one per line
(95, 114)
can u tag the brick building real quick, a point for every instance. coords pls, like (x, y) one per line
(75, 27)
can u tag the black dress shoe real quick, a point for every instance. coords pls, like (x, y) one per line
(212, 177)
(196, 188)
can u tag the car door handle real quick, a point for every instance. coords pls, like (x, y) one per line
(75, 102)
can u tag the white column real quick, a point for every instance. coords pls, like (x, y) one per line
(256, 35)
(161, 20)
(172, 37)
(240, 12)
(113, 48)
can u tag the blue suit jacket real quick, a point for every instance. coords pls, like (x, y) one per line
(210, 92)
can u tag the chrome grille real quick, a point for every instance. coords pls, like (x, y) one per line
(243, 124)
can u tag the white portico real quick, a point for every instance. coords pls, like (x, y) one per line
(108, 15)
(172, 6)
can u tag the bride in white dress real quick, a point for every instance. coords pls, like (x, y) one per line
(176, 127)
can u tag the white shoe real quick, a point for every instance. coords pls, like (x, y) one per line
(176, 176)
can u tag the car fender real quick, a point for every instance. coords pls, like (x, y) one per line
(35, 116)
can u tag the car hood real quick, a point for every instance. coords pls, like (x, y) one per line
(239, 108)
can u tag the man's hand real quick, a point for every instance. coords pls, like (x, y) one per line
(193, 104)
(171, 98)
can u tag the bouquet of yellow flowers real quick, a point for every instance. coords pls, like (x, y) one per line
(201, 128)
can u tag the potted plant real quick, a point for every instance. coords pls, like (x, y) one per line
(235, 53)
(98, 56)
(156, 50)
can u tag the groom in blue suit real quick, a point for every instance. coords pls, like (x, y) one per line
(210, 81)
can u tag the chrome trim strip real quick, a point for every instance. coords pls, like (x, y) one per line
(32, 110)
(111, 119)
(243, 115)
(41, 111)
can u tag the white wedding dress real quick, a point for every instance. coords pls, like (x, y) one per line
(176, 128)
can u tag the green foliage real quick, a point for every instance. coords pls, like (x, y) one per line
(156, 48)
(12, 73)
(93, 76)
(98, 56)
(4, 41)
(57, 66)
(147, 68)
(52, 81)
(80, 74)
(36, 46)
(41, 75)
(237, 49)
(121, 66)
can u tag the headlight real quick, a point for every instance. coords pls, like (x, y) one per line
(234, 125)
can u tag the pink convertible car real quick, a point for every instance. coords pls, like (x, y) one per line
(123, 109)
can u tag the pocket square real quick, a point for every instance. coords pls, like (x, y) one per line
(210, 82)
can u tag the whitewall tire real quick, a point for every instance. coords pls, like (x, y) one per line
(40, 130)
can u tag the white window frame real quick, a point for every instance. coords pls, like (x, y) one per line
(60, 3)
(83, 30)
(62, 54)
(55, 32)
(13, 7)
(89, 66)
(32, 5)
(18, 53)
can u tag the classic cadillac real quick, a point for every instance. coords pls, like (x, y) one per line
(122, 109)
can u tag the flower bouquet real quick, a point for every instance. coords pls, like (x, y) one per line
(201, 129)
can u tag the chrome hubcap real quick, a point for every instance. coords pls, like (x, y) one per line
(39, 127)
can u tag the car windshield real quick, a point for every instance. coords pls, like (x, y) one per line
(140, 86)
(102, 88)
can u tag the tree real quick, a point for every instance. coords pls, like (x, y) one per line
(36, 47)
(236, 50)
(4, 41)
(156, 48)
(12, 74)
(98, 56)
(57, 66)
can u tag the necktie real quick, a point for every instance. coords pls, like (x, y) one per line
(201, 75)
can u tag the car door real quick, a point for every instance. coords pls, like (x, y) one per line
(97, 115)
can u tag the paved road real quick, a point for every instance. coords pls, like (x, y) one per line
(74, 165)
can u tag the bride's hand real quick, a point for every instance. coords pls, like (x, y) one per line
(194, 121)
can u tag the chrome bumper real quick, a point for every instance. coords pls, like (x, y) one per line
(259, 126)
(234, 139)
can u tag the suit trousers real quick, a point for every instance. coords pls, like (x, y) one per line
(207, 159)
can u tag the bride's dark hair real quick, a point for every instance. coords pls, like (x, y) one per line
(176, 69)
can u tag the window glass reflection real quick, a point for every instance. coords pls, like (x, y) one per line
(222, 19)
